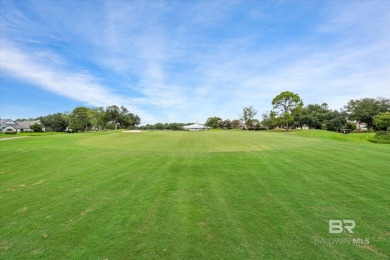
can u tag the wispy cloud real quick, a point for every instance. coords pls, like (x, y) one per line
(45, 70)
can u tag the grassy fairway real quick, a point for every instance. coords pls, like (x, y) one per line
(188, 195)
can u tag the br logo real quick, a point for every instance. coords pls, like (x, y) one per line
(336, 226)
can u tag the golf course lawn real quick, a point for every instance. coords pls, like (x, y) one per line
(193, 195)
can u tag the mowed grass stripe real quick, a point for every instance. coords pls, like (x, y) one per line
(190, 195)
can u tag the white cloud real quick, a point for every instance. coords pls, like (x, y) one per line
(43, 70)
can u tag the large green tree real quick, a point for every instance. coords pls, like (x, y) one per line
(365, 109)
(55, 122)
(213, 122)
(127, 119)
(113, 115)
(79, 120)
(130, 120)
(286, 103)
(247, 116)
(335, 122)
(320, 117)
(313, 115)
(98, 117)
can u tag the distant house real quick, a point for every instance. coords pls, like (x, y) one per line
(195, 127)
(304, 127)
(362, 127)
(8, 125)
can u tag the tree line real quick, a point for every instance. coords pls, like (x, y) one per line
(97, 118)
(289, 112)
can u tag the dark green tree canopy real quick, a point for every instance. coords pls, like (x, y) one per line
(55, 122)
(365, 109)
(285, 104)
(320, 117)
(122, 117)
(79, 120)
(213, 122)
(382, 121)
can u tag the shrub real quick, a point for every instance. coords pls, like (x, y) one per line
(37, 127)
(10, 132)
(382, 135)
(379, 141)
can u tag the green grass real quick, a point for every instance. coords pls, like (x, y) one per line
(352, 137)
(192, 195)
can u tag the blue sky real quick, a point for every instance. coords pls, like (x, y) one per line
(185, 61)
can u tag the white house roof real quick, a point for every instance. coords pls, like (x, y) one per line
(27, 124)
(3, 121)
(18, 125)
